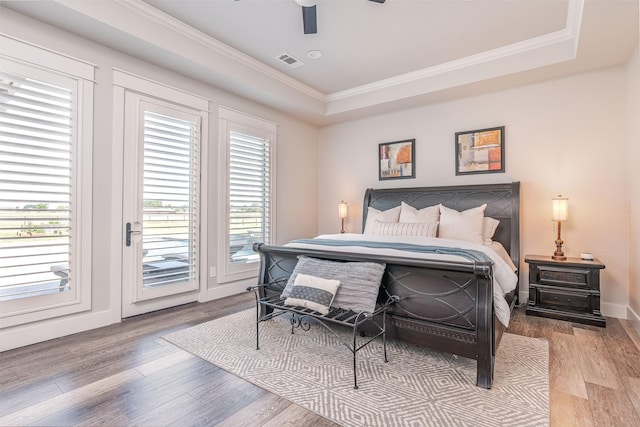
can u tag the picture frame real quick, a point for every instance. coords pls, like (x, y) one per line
(396, 160)
(480, 151)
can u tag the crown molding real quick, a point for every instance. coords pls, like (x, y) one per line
(285, 92)
(149, 12)
(571, 33)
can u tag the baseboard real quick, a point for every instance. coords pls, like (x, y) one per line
(634, 319)
(523, 297)
(227, 289)
(613, 310)
(32, 333)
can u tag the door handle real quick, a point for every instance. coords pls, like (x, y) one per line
(128, 233)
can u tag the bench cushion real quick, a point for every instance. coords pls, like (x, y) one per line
(359, 281)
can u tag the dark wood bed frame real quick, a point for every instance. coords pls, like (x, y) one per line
(443, 305)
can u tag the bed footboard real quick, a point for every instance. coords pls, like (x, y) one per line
(447, 306)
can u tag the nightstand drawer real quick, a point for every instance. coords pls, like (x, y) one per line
(564, 299)
(578, 278)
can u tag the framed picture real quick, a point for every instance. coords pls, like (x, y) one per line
(397, 159)
(480, 151)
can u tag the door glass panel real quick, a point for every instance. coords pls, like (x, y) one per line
(170, 204)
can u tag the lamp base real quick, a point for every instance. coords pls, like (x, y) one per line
(558, 255)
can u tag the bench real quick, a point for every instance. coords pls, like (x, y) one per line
(270, 306)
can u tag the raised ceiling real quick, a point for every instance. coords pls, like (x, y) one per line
(376, 57)
(364, 42)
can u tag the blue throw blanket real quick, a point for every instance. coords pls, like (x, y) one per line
(469, 254)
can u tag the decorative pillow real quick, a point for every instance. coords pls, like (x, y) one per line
(359, 281)
(489, 227)
(423, 229)
(466, 225)
(390, 215)
(313, 292)
(410, 214)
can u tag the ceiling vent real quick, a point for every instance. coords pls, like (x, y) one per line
(290, 60)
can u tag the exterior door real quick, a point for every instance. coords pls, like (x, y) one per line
(160, 259)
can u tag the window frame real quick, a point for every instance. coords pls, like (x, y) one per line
(77, 299)
(235, 121)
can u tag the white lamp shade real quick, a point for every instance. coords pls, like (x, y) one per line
(560, 208)
(306, 3)
(342, 210)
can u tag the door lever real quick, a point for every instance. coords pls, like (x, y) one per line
(128, 233)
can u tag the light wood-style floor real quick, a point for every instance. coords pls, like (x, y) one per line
(125, 375)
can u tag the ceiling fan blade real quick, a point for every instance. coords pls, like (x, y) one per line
(378, 1)
(309, 20)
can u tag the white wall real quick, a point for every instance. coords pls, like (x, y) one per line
(565, 136)
(633, 73)
(296, 170)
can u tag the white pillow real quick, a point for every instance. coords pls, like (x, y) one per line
(410, 214)
(390, 215)
(313, 292)
(466, 225)
(489, 227)
(422, 229)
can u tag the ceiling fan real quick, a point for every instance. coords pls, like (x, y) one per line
(309, 19)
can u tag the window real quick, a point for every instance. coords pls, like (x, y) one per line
(45, 153)
(249, 198)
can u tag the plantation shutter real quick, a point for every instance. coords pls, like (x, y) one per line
(249, 195)
(37, 146)
(170, 201)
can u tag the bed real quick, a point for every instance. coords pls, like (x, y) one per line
(445, 303)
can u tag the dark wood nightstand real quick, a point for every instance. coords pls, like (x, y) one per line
(565, 290)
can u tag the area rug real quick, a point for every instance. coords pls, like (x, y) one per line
(417, 387)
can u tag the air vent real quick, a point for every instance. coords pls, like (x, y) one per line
(290, 60)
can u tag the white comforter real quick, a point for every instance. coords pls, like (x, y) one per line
(505, 277)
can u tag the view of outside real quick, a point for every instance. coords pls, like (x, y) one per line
(249, 196)
(170, 200)
(35, 186)
(37, 192)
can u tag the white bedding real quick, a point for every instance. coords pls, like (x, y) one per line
(505, 276)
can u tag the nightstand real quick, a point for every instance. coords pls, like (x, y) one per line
(565, 290)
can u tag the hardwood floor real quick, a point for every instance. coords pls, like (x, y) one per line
(125, 375)
(593, 372)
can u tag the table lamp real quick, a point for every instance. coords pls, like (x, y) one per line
(342, 213)
(560, 213)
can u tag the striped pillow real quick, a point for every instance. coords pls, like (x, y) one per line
(421, 229)
(313, 292)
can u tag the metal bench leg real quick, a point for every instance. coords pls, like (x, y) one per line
(384, 335)
(258, 328)
(293, 321)
(354, 350)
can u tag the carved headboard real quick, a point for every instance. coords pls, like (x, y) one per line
(503, 204)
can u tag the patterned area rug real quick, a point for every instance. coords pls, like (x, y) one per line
(418, 387)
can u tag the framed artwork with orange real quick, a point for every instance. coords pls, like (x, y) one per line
(480, 151)
(397, 159)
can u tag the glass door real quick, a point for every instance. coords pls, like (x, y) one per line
(160, 205)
